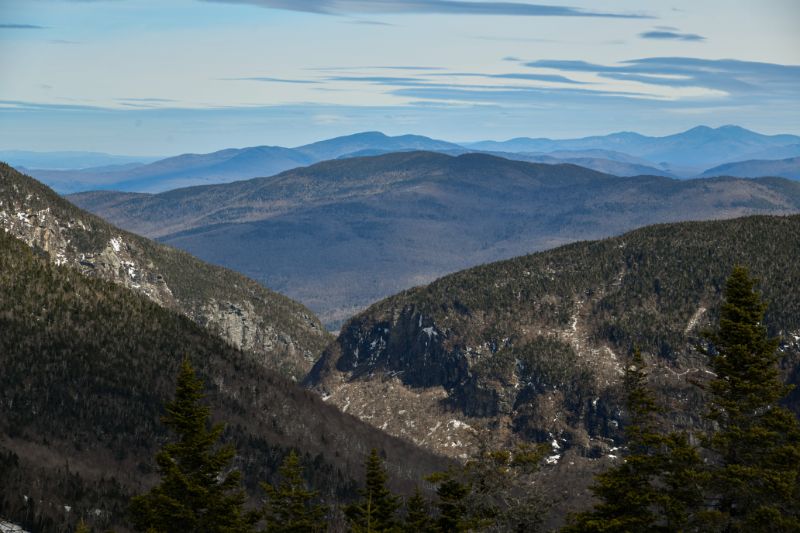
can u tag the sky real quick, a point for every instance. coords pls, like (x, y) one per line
(155, 77)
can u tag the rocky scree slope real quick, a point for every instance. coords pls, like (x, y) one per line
(281, 333)
(533, 347)
(87, 366)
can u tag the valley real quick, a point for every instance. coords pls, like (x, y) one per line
(342, 234)
(399, 266)
(700, 151)
(529, 349)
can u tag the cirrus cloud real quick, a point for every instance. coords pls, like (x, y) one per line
(434, 7)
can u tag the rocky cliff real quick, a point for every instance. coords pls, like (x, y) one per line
(281, 333)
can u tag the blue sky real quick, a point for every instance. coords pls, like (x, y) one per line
(136, 77)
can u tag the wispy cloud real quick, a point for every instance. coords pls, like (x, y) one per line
(517, 96)
(513, 39)
(368, 23)
(152, 100)
(374, 67)
(433, 7)
(551, 78)
(382, 80)
(734, 77)
(21, 27)
(11, 105)
(272, 80)
(661, 34)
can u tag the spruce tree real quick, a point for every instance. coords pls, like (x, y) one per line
(757, 481)
(377, 510)
(290, 507)
(656, 487)
(492, 491)
(418, 519)
(195, 492)
(453, 513)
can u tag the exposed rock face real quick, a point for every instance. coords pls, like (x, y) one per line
(412, 377)
(535, 347)
(119, 261)
(281, 333)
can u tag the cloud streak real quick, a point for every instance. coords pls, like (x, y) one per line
(430, 7)
(272, 80)
(21, 27)
(671, 36)
(737, 78)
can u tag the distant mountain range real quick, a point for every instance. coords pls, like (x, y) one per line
(341, 234)
(226, 165)
(67, 160)
(687, 153)
(684, 155)
(788, 168)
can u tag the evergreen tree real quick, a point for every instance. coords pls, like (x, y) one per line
(453, 512)
(493, 491)
(757, 481)
(377, 510)
(195, 492)
(657, 487)
(289, 508)
(418, 519)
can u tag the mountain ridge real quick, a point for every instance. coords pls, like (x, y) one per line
(532, 346)
(279, 332)
(622, 153)
(341, 234)
(88, 366)
(789, 168)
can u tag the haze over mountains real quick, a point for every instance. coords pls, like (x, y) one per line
(687, 154)
(787, 168)
(692, 150)
(341, 234)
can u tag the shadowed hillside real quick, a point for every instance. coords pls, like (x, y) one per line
(279, 332)
(86, 369)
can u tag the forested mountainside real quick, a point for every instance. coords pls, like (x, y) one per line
(533, 346)
(87, 367)
(342, 234)
(281, 333)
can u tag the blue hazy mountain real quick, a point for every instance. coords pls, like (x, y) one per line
(689, 152)
(179, 171)
(783, 168)
(68, 159)
(616, 163)
(373, 141)
(686, 154)
(226, 165)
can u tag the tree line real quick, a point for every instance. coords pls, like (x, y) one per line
(744, 475)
